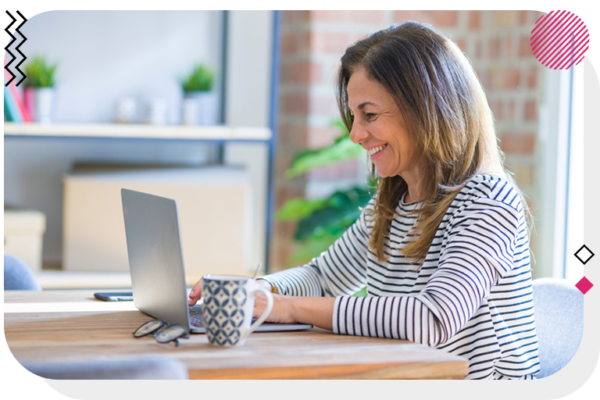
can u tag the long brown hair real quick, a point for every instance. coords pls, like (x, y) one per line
(447, 115)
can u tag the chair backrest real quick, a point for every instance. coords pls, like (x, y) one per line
(559, 323)
(142, 367)
(18, 276)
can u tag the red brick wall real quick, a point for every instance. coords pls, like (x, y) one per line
(496, 42)
(297, 75)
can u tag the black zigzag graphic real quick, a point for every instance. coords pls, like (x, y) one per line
(9, 30)
(7, 48)
(17, 48)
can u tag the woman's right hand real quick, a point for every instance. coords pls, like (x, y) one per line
(195, 293)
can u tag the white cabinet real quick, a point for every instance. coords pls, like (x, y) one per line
(23, 232)
(214, 208)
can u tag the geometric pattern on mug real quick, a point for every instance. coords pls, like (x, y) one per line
(223, 311)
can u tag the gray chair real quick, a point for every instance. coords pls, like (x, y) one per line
(559, 323)
(18, 276)
(142, 367)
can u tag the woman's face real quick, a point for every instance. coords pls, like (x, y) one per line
(380, 129)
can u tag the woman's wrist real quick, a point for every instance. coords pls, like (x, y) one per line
(317, 311)
(263, 283)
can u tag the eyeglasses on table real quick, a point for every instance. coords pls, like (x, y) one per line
(163, 331)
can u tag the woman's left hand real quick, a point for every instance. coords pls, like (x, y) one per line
(283, 308)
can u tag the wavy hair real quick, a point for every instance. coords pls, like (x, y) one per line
(447, 115)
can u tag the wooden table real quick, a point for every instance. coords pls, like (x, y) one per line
(72, 324)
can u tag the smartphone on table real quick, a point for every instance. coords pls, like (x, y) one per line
(114, 296)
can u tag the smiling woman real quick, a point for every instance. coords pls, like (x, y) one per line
(442, 247)
(421, 78)
(379, 127)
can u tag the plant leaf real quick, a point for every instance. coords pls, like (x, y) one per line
(334, 215)
(296, 209)
(200, 80)
(337, 123)
(39, 73)
(311, 159)
(323, 222)
(309, 249)
(361, 293)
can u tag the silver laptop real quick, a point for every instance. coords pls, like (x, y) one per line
(156, 263)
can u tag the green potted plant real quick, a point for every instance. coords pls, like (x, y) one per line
(322, 221)
(200, 103)
(39, 89)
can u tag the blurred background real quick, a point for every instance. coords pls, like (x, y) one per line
(233, 114)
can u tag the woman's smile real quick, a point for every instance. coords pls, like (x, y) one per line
(376, 152)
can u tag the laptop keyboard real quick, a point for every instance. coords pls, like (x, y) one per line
(196, 319)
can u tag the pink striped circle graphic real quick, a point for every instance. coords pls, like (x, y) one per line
(559, 39)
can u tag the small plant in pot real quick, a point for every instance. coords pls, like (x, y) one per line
(200, 103)
(39, 89)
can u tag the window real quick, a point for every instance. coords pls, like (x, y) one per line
(560, 218)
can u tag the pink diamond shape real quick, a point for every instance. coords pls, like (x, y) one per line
(584, 285)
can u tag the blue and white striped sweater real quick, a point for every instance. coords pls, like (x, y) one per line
(472, 296)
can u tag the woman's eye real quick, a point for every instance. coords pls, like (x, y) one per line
(370, 116)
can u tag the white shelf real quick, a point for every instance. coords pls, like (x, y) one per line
(131, 131)
(49, 279)
(76, 280)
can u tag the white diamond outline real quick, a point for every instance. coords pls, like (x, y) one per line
(587, 249)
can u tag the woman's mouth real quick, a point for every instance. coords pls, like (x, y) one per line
(376, 152)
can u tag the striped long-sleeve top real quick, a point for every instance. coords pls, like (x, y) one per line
(471, 297)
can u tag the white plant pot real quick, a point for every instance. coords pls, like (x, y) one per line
(157, 112)
(126, 111)
(189, 111)
(200, 108)
(40, 104)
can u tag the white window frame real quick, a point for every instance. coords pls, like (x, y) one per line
(573, 270)
(560, 215)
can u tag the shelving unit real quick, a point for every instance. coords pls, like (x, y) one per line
(117, 133)
(124, 131)
(235, 144)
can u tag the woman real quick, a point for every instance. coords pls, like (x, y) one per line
(442, 247)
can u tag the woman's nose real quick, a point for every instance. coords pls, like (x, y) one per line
(358, 134)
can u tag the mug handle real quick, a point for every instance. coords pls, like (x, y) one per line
(265, 313)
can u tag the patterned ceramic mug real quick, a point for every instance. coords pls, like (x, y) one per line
(228, 303)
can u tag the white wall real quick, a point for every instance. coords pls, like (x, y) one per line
(103, 56)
